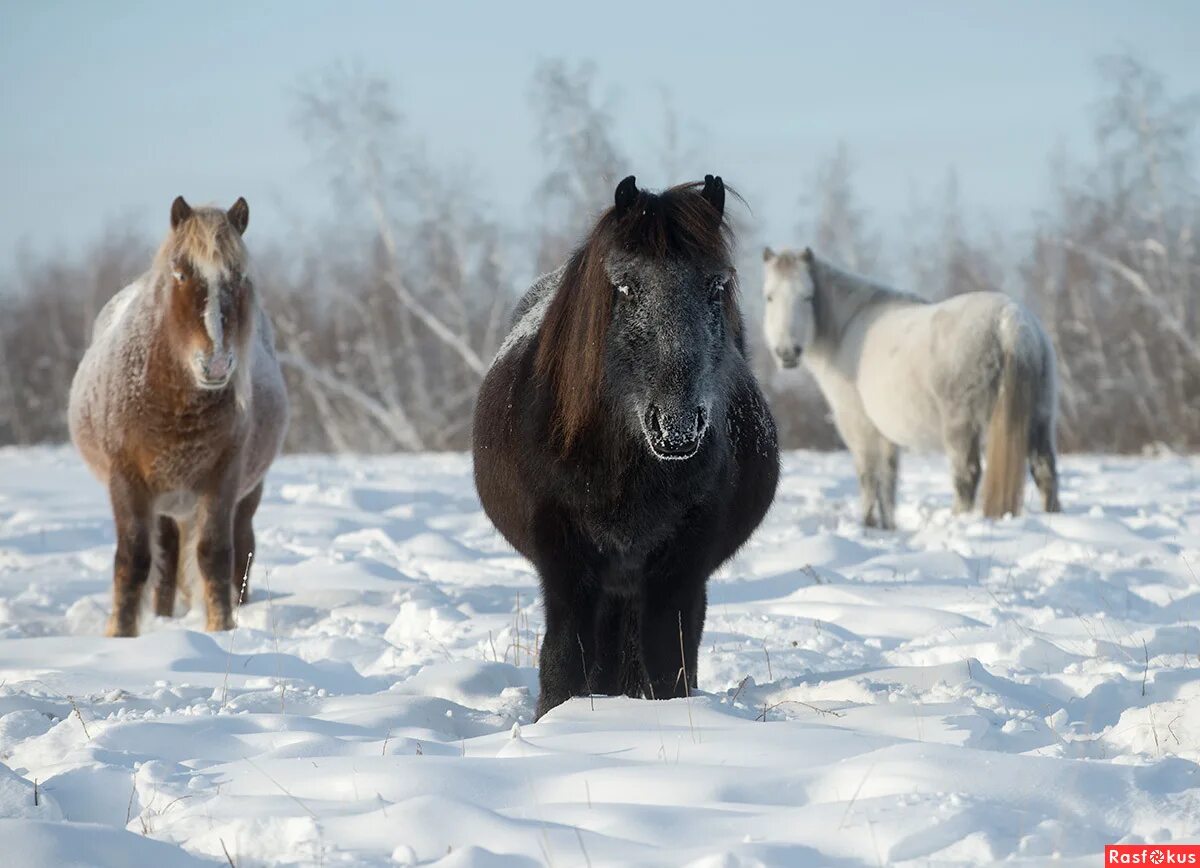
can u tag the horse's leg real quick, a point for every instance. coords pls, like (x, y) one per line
(215, 555)
(605, 669)
(886, 476)
(1042, 463)
(131, 566)
(961, 439)
(166, 566)
(568, 649)
(868, 495)
(243, 541)
(877, 460)
(672, 621)
(618, 666)
(868, 486)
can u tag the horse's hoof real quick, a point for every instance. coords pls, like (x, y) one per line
(218, 623)
(120, 630)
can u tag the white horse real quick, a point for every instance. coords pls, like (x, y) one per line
(974, 370)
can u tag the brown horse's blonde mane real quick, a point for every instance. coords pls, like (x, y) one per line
(677, 224)
(207, 239)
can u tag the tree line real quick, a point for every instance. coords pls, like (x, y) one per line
(387, 320)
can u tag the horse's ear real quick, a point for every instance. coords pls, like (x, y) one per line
(768, 254)
(239, 215)
(714, 192)
(626, 195)
(180, 211)
(807, 255)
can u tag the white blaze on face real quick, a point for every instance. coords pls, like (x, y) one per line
(212, 309)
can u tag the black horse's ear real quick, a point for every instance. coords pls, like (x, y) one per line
(768, 254)
(180, 211)
(807, 255)
(714, 192)
(626, 195)
(239, 215)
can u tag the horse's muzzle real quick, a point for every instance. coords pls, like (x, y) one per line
(674, 435)
(216, 371)
(788, 357)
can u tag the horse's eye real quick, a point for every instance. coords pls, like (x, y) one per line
(718, 286)
(178, 275)
(770, 297)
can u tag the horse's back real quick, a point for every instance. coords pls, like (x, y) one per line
(114, 309)
(100, 389)
(530, 311)
(918, 364)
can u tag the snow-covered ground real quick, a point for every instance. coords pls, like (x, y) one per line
(958, 692)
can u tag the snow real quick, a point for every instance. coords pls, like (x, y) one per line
(531, 311)
(958, 692)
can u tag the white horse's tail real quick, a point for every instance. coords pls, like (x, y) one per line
(1008, 431)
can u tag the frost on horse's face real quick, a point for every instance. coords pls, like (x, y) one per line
(209, 311)
(789, 320)
(669, 347)
(209, 317)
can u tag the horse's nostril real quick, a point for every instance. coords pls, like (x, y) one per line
(653, 422)
(796, 348)
(675, 433)
(218, 366)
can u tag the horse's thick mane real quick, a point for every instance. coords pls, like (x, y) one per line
(676, 224)
(206, 239)
(840, 295)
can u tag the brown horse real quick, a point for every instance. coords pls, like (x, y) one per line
(179, 408)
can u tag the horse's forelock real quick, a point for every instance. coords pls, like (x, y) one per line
(206, 239)
(789, 262)
(678, 223)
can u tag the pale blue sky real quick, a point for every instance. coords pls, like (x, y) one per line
(108, 110)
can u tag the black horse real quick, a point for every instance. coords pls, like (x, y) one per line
(622, 444)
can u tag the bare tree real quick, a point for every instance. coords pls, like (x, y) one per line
(574, 135)
(1115, 271)
(835, 223)
(388, 315)
(47, 326)
(946, 255)
(415, 280)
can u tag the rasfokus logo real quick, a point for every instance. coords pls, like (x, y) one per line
(1152, 854)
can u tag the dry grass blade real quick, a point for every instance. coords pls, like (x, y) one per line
(1146, 668)
(587, 677)
(741, 686)
(687, 684)
(79, 714)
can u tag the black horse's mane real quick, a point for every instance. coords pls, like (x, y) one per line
(686, 223)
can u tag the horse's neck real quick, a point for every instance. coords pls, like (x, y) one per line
(843, 301)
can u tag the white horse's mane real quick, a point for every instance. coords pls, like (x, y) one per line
(840, 295)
